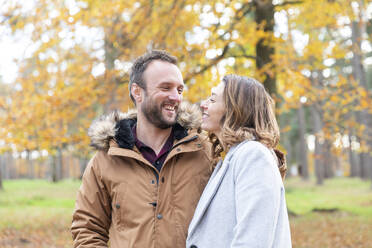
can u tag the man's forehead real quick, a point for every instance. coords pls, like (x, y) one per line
(160, 64)
(162, 71)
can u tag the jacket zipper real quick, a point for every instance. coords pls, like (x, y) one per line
(156, 172)
(157, 175)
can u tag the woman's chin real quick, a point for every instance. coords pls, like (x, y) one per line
(205, 127)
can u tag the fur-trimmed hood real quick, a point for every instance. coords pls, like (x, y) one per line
(117, 125)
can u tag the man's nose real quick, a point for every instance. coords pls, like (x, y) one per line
(175, 96)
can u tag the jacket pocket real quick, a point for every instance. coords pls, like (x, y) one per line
(118, 205)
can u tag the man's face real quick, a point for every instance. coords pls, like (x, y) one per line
(163, 94)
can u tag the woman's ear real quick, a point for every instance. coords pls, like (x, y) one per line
(136, 93)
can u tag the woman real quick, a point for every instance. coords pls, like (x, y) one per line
(243, 204)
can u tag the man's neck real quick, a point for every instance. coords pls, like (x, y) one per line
(150, 135)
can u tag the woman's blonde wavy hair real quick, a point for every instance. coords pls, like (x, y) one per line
(249, 115)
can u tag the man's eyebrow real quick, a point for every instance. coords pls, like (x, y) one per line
(167, 83)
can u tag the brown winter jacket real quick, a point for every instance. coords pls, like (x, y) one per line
(120, 198)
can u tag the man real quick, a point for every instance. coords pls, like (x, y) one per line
(141, 187)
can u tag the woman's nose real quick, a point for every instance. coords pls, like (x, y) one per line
(203, 105)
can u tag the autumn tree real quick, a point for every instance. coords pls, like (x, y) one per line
(78, 66)
(331, 93)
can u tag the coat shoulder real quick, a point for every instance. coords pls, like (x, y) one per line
(251, 154)
(251, 148)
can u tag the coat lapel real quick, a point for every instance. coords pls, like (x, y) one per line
(209, 192)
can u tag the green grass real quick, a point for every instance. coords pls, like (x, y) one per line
(352, 196)
(28, 202)
(41, 193)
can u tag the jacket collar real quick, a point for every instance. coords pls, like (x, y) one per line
(124, 136)
(191, 143)
(117, 126)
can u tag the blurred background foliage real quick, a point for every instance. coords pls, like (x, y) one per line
(314, 57)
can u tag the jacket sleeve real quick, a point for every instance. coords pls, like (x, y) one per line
(92, 216)
(258, 189)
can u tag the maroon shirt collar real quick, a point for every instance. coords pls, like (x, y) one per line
(149, 154)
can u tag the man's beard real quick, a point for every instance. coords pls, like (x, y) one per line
(153, 114)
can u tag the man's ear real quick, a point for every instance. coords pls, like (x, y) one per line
(136, 92)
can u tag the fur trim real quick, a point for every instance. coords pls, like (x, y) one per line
(190, 116)
(106, 127)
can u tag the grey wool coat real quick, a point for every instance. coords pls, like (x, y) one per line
(243, 204)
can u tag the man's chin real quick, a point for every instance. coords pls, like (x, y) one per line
(167, 123)
(169, 118)
(164, 125)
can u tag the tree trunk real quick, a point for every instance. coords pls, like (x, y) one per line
(3, 166)
(56, 165)
(264, 15)
(30, 164)
(363, 116)
(354, 167)
(66, 167)
(318, 157)
(288, 148)
(82, 164)
(303, 167)
(1, 181)
(10, 165)
(40, 170)
(53, 171)
(59, 164)
(319, 168)
(111, 54)
(328, 159)
(1, 171)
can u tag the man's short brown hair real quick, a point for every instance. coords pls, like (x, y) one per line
(140, 64)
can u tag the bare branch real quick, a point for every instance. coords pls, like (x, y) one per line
(243, 11)
(288, 3)
(206, 67)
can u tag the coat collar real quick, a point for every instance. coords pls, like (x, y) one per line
(208, 194)
(124, 136)
(117, 126)
(190, 143)
(212, 188)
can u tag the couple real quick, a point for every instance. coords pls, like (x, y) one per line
(150, 184)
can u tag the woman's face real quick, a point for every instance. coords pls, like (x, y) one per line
(213, 109)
